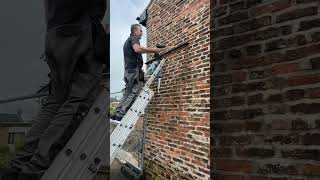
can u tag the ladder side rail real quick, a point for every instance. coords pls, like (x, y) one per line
(115, 132)
(90, 155)
(66, 154)
(125, 120)
(122, 134)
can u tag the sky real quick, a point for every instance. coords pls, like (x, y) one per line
(123, 13)
(21, 44)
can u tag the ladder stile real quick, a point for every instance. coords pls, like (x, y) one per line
(120, 133)
(84, 153)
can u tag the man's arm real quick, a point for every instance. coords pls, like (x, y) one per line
(142, 50)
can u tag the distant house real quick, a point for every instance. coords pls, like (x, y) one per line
(114, 104)
(12, 129)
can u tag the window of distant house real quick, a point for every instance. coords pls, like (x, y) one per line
(15, 137)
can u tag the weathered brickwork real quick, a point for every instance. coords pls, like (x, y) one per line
(265, 82)
(178, 139)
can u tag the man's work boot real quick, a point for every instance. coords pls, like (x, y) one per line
(8, 174)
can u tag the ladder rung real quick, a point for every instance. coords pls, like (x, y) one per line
(114, 121)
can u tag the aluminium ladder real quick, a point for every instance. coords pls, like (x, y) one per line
(126, 125)
(88, 148)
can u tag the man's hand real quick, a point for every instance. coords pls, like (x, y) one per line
(139, 49)
(156, 50)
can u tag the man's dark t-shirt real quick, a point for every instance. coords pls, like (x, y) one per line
(60, 12)
(132, 59)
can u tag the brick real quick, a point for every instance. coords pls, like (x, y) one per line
(221, 115)
(245, 114)
(315, 63)
(252, 24)
(278, 57)
(255, 86)
(235, 17)
(296, 53)
(221, 91)
(252, 113)
(295, 94)
(222, 152)
(315, 37)
(218, 56)
(313, 93)
(227, 177)
(222, 32)
(309, 24)
(297, 13)
(277, 109)
(258, 74)
(247, 62)
(234, 41)
(279, 124)
(219, 67)
(253, 50)
(178, 129)
(275, 98)
(237, 6)
(285, 43)
(234, 165)
(222, 103)
(311, 170)
(285, 68)
(306, 1)
(252, 3)
(279, 178)
(273, 32)
(299, 124)
(223, 79)
(234, 54)
(255, 152)
(304, 80)
(237, 101)
(236, 140)
(235, 177)
(255, 99)
(258, 178)
(239, 76)
(227, 128)
(253, 126)
(275, 58)
(304, 108)
(220, 11)
(311, 139)
(283, 139)
(277, 169)
(236, 88)
(271, 7)
(309, 154)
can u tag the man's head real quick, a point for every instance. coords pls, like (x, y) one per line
(136, 30)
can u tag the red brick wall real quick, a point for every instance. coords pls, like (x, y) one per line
(178, 124)
(266, 89)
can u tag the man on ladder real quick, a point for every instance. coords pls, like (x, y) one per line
(133, 75)
(76, 51)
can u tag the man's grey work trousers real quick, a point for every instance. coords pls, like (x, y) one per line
(75, 75)
(134, 79)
